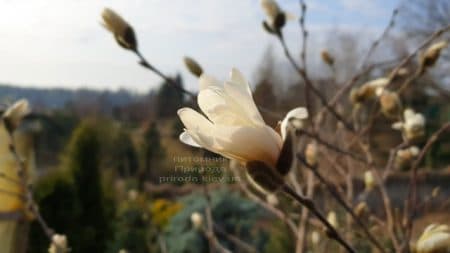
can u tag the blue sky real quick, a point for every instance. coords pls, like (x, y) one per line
(60, 43)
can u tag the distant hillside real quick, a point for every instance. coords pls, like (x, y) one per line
(59, 97)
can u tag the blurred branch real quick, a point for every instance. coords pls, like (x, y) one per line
(144, 63)
(383, 35)
(412, 192)
(308, 83)
(342, 202)
(309, 204)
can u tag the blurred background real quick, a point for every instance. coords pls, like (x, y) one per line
(108, 168)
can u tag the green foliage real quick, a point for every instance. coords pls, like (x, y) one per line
(152, 151)
(72, 199)
(234, 214)
(123, 154)
(131, 228)
(280, 239)
(83, 160)
(58, 203)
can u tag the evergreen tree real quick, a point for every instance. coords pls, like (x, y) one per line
(83, 160)
(170, 98)
(152, 151)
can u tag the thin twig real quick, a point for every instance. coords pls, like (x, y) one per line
(308, 83)
(308, 203)
(342, 202)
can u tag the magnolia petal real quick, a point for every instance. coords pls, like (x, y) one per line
(250, 143)
(206, 81)
(238, 89)
(219, 108)
(397, 125)
(194, 121)
(186, 138)
(298, 114)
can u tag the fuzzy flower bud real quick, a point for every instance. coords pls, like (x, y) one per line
(132, 195)
(272, 199)
(390, 103)
(413, 125)
(315, 238)
(361, 209)
(332, 219)
(369, 180)
(368, 90)
(431, 55)
(405, 157)
(122, 31)
(197, 220)
(15, 113)
(59, 244)
(435, 238)
(327, 57)
(193, 66)
(311, 153)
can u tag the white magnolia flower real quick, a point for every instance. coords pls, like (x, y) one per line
(233, 126)
(15, 113)
(413, 125)
(59, 244)
(197, 220)
(122, 31)
(435, 238)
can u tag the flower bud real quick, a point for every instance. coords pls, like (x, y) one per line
(436, 191)
(327, 57)
(123, 251)
(197, 220)
(361, 209)
(59, 244)
(15, 113)
(272, 199)
(405, 157)
(315, 238)
(122, 31)
(369, 180)
(368, 90)
(193, 66)
(431, 55)
(390, 103)
(311, 153)
(132, 195)
(332, 219)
